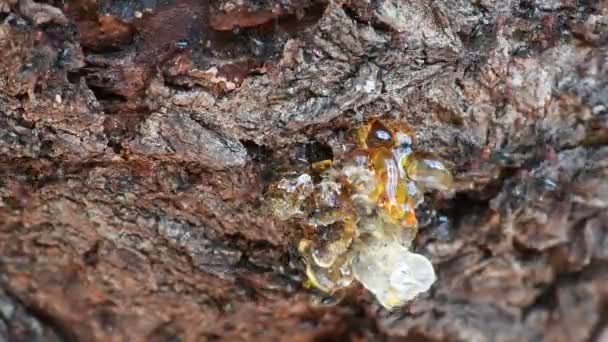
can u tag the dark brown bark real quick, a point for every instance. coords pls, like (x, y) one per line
(137, 139)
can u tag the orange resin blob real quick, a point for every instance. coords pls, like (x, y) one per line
(389, 152)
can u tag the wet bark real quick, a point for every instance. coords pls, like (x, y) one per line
(137, 139)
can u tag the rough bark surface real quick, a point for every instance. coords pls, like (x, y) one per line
(137, 139)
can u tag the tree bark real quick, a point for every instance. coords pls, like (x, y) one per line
(137, 139)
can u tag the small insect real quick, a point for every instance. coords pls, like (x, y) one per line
(360, 217)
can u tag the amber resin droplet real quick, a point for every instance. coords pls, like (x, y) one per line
(379, 136)
(429, 172)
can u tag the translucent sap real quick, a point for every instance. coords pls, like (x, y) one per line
(362, 214)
